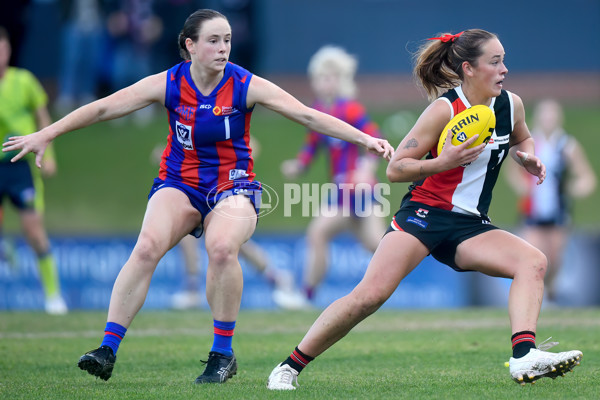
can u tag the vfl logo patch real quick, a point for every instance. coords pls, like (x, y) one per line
(184, 135)
(421, 212)
(417, 221)
(461, 137)
(237, 174)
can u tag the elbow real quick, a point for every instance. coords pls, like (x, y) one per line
(392, 173)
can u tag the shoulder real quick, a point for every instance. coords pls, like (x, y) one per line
(239, 73)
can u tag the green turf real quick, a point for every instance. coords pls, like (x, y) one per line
(392, 354)
(105, 172)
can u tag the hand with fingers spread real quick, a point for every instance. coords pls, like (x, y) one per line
(34, 143)
(533, 165)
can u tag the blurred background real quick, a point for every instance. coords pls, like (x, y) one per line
(84, 49)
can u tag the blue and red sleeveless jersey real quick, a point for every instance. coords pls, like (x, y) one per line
(208, 147)
(343, 156)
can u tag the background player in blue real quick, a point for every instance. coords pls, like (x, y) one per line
(469, 68)
(205, 180)
(332, 71)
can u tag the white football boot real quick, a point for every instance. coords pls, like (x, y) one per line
(283, 377)
(55, 305)
(543, 364)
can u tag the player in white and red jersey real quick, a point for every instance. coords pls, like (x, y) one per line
(546, 209)
(444, 213)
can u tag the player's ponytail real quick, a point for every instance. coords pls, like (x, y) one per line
(438, 62)
(192, 26)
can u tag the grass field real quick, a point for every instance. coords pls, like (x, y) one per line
(454, 354)
(105, 172)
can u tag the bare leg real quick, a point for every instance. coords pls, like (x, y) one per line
(229, 225)
(320, 232)
(500, 253)
(551, 241)
(397, 255)
(169, 216)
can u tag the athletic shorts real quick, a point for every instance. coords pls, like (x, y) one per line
(439, 230)
(16, 183)
(204, 202)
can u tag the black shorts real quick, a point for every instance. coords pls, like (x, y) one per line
(439, 230)
(16, 183)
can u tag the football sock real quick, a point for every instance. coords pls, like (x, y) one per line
(48, 275)
(113, 334)
(223, 337)
(298, 360)
(522, 342)
(309, 292)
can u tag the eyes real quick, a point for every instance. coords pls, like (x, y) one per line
(226, 40)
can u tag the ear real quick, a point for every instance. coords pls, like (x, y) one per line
(189, 45)
(467, 68)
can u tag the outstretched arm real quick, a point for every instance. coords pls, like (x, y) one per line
(125, 101)
(274, 98)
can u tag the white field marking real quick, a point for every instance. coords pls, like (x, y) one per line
(391, 325)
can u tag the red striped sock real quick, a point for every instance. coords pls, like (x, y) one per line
(522, 342)
(298, 360)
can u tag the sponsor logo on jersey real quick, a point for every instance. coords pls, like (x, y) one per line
(225, 110)
(184, 135)
(237, 174)
(417, 221)
(205, 106)
(421, 212)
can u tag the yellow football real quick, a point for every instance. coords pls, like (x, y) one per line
(478, 119)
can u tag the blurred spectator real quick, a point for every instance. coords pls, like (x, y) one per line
(546, 209)
(173, 13)
(134, 28)
(82, 39)
(12, 18)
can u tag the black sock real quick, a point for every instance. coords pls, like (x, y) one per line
(522, 342)
(298, 360)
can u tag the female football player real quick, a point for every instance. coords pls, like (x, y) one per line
(445, 211)
(546, 210)
(331, 70)
(205, 182)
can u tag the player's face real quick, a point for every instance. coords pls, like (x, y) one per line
(214, 44)
(326, 85)
(491, 71)
(4, 53)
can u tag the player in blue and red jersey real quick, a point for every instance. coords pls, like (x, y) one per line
(205, 183)
(445, 211)
(332, 71)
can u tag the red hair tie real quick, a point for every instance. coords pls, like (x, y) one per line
(447, 38)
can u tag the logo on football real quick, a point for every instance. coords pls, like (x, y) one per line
(477, 120)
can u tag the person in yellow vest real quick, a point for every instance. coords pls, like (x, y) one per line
(23, 110)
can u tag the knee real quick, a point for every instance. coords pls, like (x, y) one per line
(538, 264)
(221, 252)
(366, 302)
(147, 249)
(316, 235)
